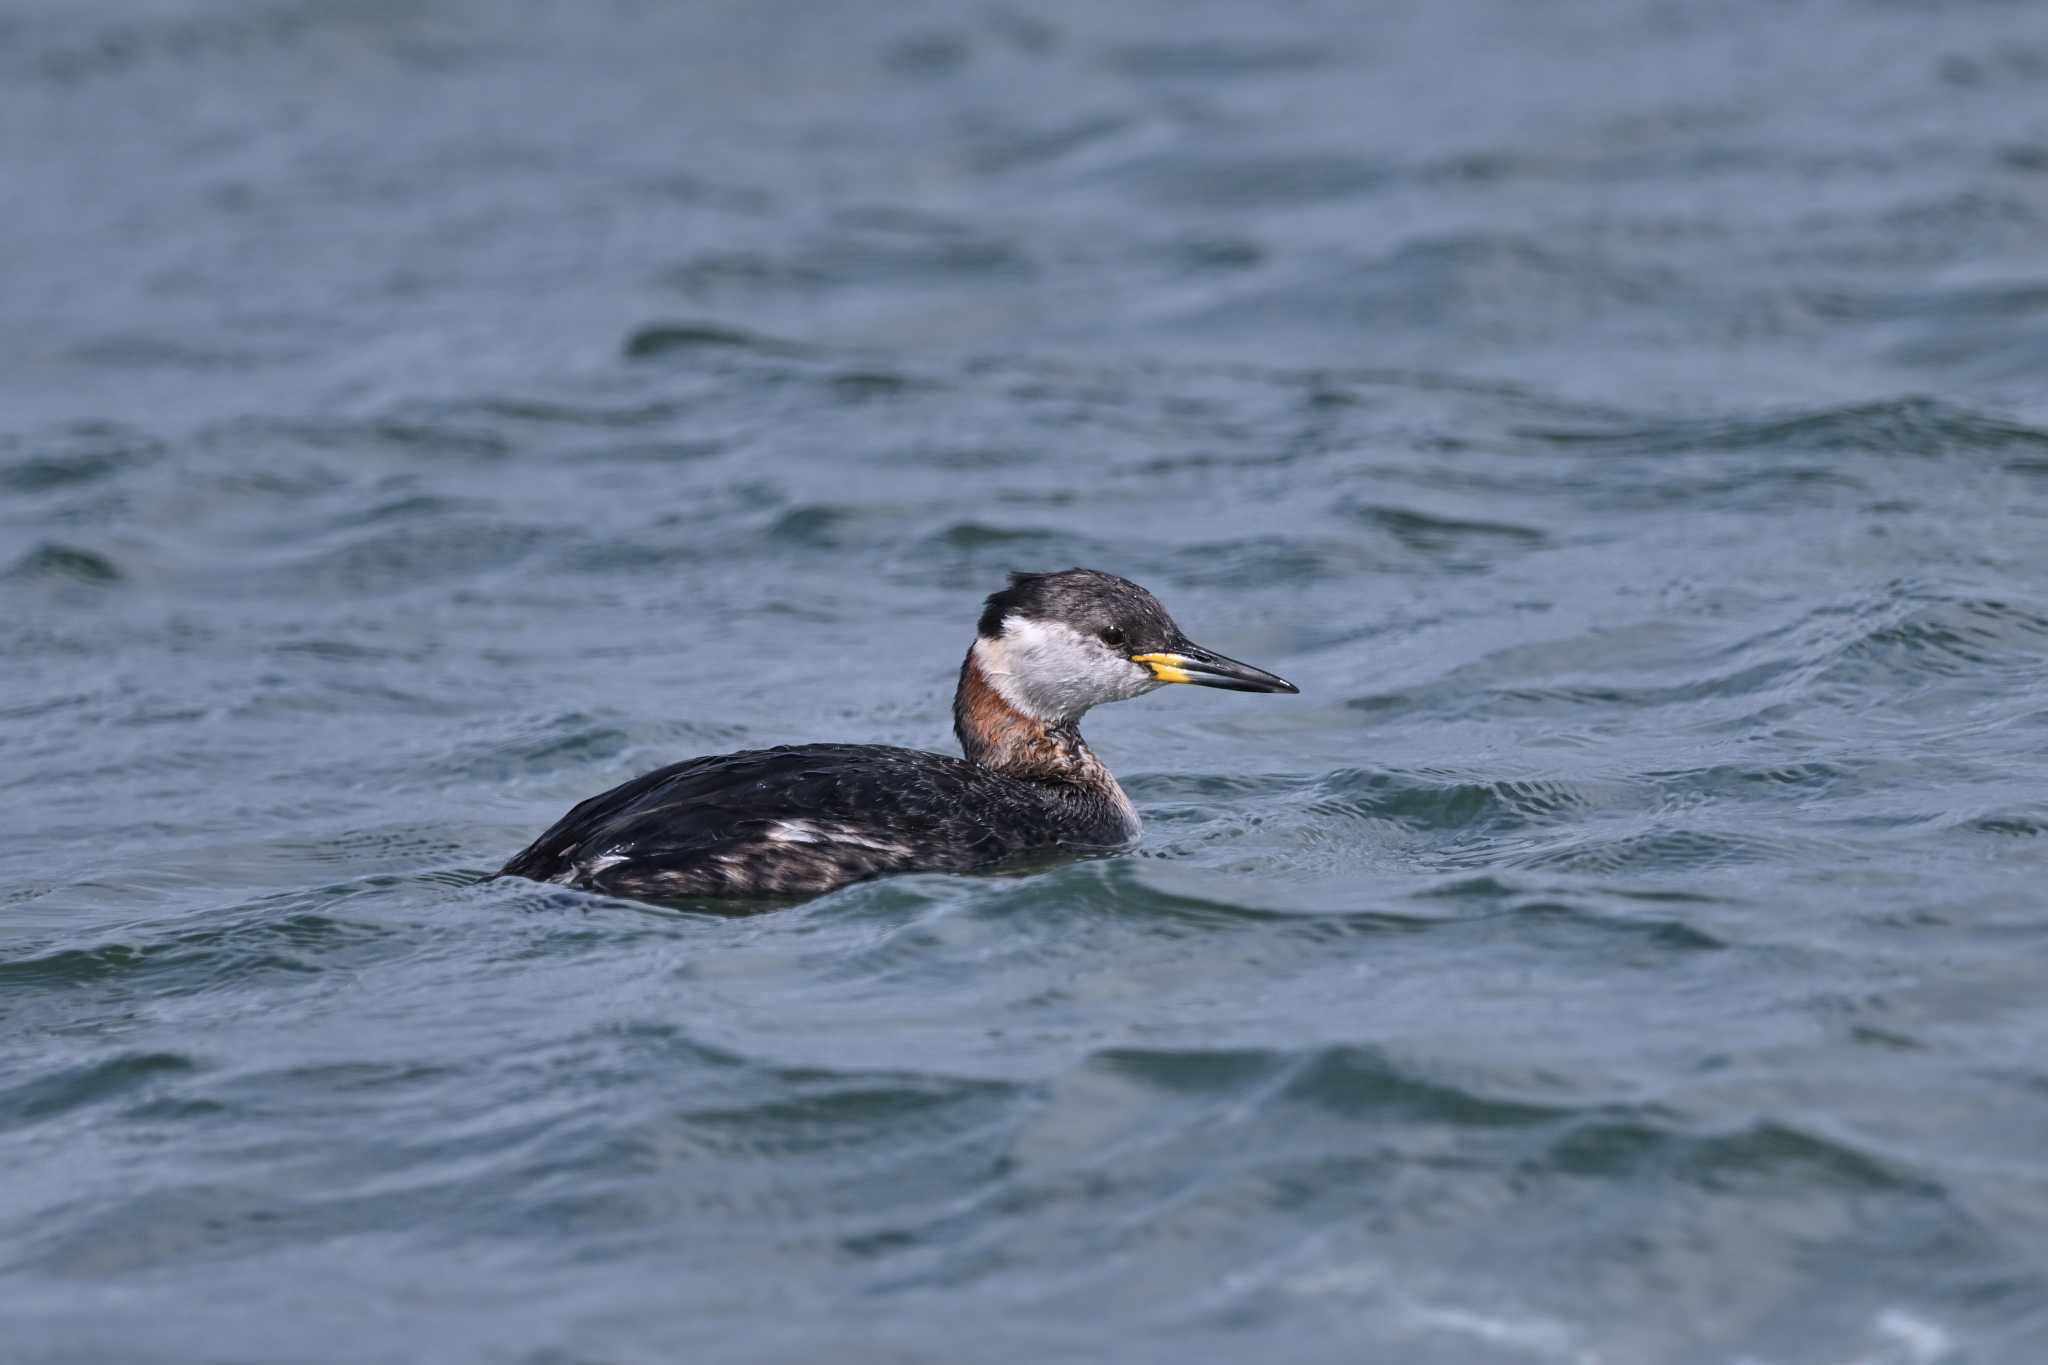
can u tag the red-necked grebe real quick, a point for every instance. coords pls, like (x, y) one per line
(804, 818)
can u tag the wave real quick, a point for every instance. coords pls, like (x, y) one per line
(73, 457)
(1899, 427)
(59, 1092)
(195, 960)
(73, 564)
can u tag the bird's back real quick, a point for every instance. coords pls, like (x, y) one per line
(802, 819)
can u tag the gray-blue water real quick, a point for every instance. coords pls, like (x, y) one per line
(1625, 421)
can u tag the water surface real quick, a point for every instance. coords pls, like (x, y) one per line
(1623, 420)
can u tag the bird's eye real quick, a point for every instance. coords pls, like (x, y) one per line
(1113, 635)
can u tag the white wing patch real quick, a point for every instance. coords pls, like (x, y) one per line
(833, 832)
(791, 856)
(575, 871)
(853, 834)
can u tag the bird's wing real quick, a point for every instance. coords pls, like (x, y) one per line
(790, 820)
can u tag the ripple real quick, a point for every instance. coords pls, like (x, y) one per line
(1271, 559)
(75, 457)
(339, 651)
(408, 557)
(1490, 898)
(1798, 781)
(1422, 531)
(2019, 298)
(819, 526)
(1902, 427)
(655, 452)
(1041, 147)
(928, 55)
(108, 51)
(66, 563)
(1214, 59)
(412, 507)
(1867, 640)
(1662, 852)
(554, 413)
(1766, 1152)
(435, 435)
(1668, 934)
(865, 386)
(1341, 1080)
(1222, 254)
(1446, 541)
(78, 1086)
(976, 535)
(199, 959)
(1426, 801)
(664, 338)
(2015, 824)
(526, 745)
(615, 556)
(1944, 637)
(1270, 178)
(883, 244)
(811, 1112)
(745, 271)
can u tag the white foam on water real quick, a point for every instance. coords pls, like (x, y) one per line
(1903, 1337)
(1542, 1338)
(1906, 1339)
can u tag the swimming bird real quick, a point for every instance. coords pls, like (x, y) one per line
(802, 819)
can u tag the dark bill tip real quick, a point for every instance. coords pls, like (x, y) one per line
(1193, 664)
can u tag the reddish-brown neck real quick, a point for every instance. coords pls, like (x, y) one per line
(1000, 737)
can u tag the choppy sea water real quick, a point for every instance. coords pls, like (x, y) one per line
(1625, 421)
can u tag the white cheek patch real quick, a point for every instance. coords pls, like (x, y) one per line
(1054, 672)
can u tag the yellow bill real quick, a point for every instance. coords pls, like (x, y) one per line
(1204, 669)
